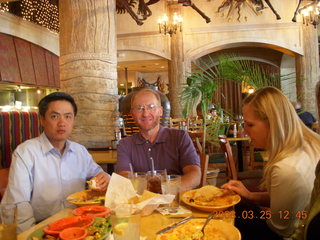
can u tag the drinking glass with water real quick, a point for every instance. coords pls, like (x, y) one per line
(8, 222)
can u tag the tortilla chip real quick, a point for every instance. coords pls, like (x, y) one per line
(133, 200)
(146, 195)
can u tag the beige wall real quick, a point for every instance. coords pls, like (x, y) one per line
(132, 76)
(199, 38)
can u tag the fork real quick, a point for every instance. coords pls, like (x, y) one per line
(210, 216)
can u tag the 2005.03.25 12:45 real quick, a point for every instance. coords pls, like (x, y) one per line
(266, 214)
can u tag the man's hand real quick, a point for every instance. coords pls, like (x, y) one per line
(102, 181)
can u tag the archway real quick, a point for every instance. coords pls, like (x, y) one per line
(134, 65)
(272, 59)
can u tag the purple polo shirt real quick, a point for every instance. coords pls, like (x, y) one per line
(172, 150)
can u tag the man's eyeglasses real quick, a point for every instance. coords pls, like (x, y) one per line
(149, 108)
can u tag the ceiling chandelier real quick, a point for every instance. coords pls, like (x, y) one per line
(170, 27)
(310, 13)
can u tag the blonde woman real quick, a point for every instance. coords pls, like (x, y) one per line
(293, 153)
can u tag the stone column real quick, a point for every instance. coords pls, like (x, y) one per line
(88, 64)
(176, 67)
(308, 70)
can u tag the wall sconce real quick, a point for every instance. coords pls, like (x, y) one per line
(171, 27)
(18, 88)
(310, 13)
(39, 91)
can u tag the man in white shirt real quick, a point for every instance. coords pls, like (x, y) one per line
(48, 168)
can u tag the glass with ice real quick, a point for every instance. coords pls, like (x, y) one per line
(154, 180)
(125, 223)
(139, 181)
(8, 222)
(172, 185)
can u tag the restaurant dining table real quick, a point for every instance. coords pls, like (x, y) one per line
(150, 224)
(104, 156)
(239, 141)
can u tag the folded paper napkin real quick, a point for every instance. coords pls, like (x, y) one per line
(120, 190)
(181, 211)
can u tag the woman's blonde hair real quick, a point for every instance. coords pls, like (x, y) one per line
(287, 133)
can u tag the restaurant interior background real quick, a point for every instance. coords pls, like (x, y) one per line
(33, 57)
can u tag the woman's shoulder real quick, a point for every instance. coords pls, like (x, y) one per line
(297, 163)
(294, 158)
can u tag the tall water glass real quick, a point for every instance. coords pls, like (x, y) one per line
(8, 222)
(125, 223)
(139, 181)
(172, 185)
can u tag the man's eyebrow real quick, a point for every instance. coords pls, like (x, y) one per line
(67, 113)
(53, 112)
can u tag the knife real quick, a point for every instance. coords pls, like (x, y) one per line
(175, 225)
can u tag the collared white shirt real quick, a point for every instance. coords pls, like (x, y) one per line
(41, 178)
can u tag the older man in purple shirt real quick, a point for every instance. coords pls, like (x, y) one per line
(169, 149)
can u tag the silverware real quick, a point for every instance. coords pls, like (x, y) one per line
(175, 225)
(211, 215)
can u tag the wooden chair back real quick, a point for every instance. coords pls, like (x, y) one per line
(204, 160)
(196, 139)
(226, 149)
(177, 123)
(253, 162)
(4, 177)
(195, 125)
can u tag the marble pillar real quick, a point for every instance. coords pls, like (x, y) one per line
(88, 61)
(176, 67)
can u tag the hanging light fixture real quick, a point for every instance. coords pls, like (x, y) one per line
(170, 27)
(310, 13)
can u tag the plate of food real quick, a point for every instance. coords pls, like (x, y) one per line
(97, 211)
(99, 230)
(89, 197)
(215, 230)
(210, 198)
(56, 227)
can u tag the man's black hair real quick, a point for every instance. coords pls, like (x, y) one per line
(56, 96)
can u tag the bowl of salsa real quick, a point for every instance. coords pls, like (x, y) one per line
(69, 222)
(97, 211)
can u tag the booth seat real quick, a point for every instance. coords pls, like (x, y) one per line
(15, 128)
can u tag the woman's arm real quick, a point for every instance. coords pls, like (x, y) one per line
(258, 198)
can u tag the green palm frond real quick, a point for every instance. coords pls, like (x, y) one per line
(206, 78)
(245, 71)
